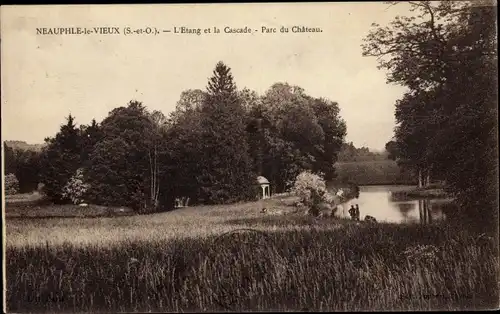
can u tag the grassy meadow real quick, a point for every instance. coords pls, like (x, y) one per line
(373, 172)
(192, 259)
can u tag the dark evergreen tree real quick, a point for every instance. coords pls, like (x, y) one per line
(60, 160)
(226, 174)
(9, 160)
(91, 135)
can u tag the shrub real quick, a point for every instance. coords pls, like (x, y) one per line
(75, 188)
(11, 184)
(311, 188)
(40, 187)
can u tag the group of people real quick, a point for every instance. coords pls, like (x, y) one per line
(354, 212)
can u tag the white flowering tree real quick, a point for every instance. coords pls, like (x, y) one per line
(11, 184)
(311, 188)
(75, 188)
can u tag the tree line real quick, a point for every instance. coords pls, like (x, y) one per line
(349, 153)
(447, 120)
(210, 148)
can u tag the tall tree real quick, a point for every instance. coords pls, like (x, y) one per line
(446, 55)
(27, 170)
(334, 129)
(91, 135)
(182, 160)
(158, 128)
(392, 150)
(226, 175)
(306, 134)
(60, 159)
(127, 159)
(9, 159)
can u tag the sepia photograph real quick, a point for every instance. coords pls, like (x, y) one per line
(278, 157)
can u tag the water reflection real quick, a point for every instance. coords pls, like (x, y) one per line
(377, 201)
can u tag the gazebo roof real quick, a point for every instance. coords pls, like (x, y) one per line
(262, 180)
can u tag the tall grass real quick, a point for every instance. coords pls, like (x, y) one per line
(355, 267)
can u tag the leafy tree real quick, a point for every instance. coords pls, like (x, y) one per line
(60, 160)
(28, 169)
(334, 130)
(25, 164)
(302, 133)
(446, 57)
(123, 167)
(392, 150)
(289, 126)
(190, 101)
(182, 160)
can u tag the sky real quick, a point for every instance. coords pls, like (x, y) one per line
(47, 77)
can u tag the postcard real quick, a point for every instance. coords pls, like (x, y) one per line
(237, 157)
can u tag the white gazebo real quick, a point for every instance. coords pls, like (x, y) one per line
(264, 186)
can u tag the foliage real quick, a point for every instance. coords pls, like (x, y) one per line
(24, 162)
(91, 135)
(9, 159)
(182, 161)
(22, 145)
(290, 131)
(60, 160)
(76, 188)
(392, 150)
(311, 189)
(209, 149)
(349, 153)
(373, 173)
(190, 101)
(28, 169)
(447, 127)
(11, 184)
(123, 167)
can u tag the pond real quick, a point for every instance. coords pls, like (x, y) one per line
(379, 202)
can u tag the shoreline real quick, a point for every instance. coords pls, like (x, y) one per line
(424, 193)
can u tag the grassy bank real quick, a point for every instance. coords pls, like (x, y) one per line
(431, 191)
(376, 172)
(177, 261)
(41, 209)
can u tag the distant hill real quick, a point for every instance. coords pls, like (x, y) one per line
(349, 153)
(374, 172)
(21, 145)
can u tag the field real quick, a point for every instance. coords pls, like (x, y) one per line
(189, 260)
(376, 172)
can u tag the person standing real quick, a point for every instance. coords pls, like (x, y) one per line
(352, 212)
(357, 212)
